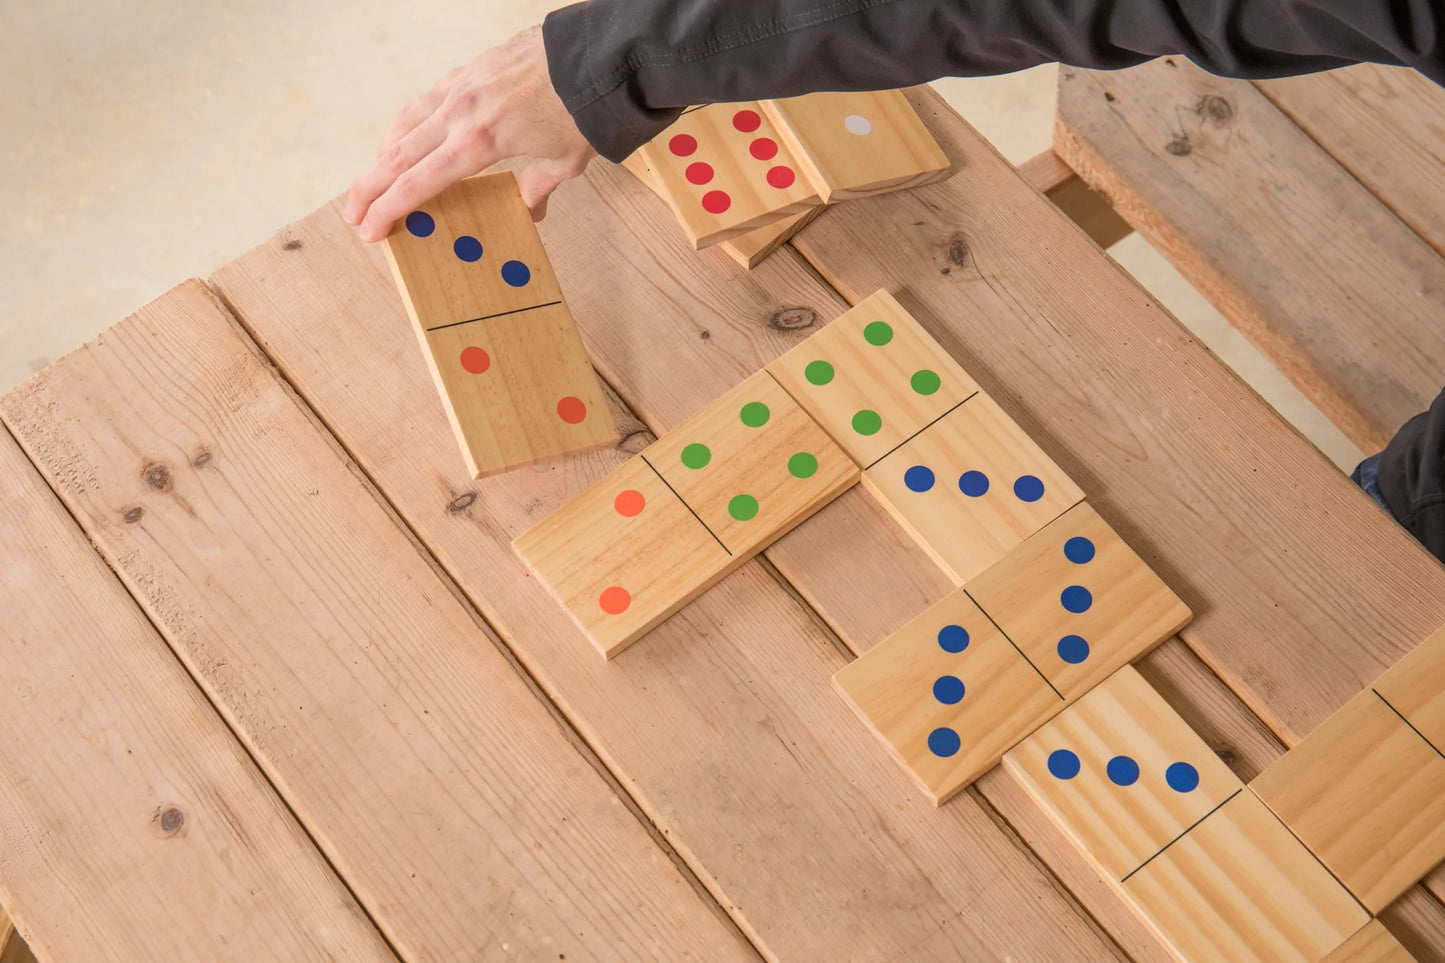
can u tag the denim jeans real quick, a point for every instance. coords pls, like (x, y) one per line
(1367, 476)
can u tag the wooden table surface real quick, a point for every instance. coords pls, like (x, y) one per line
(276, 687)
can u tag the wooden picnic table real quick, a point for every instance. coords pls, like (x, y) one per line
(275, 685)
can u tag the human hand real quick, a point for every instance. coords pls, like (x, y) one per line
(500, 105)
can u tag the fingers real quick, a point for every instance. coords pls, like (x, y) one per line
(410, 116)
(432, 175)
(539, 179)
(397, 160)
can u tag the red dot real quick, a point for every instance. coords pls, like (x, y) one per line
(715, 202)
(682, 144)
(698, 173)
(747, 121)
(781, 176)
(629, 503)
(764, 148)
(614, 600)
(571, 410)
(475, 360)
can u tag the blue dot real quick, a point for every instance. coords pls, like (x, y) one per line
(516, 273)
(1063, 764)
(1181, 777)
(948, 689)
(1079, 550)
(919, 478)
(468, 248)
(973, 483)
(1076, 599)
(943, 741)
(953, 638)
(420, 223)
(1073, 649)
(1122, 771)
(1028, 488)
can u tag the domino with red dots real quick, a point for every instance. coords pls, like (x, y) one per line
(856, 144)
(724, 172)
(697, 503)
(1196, 855)
(514, 378)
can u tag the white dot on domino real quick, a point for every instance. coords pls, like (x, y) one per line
(858, 124)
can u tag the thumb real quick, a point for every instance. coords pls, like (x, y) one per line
(539, 179)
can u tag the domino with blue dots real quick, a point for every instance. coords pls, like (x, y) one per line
(1188, 847)
(514, 378)
(971, 486)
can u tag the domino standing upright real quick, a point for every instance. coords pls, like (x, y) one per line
(514, 377)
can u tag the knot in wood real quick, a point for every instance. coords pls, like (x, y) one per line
(201, 459)
(958, 250)
(133, 514)
(634, 441)
(157, 476)
(792, 318)
(704, 335)
(1226, 755)
(291, 245)
(168, 820)
(462, 502)
(1216, 109)
(1179, 146)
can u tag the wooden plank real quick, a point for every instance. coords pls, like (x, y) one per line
(1386, 126)
(723, 172)
(435, 780)
(1050, 176)
(854, 144)
(721, 723)
(1165, 440)
(513, 376)
(1331, 285)
(132, 823)
(1372, 944)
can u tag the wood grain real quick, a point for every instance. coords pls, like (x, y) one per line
(1372, 944)
(436, 782)
(1386, 126)
(124, 798)
(722, 725)
(1302, 258)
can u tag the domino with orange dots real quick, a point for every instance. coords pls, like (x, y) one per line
(514, 378)
(697, 503)
(724, 172)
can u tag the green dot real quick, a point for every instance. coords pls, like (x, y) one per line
(743, 507)
(925, 382)
(878, 332)
(754, 414)
(818, 372)
(696, 456)
(802, 465)
(867, 422)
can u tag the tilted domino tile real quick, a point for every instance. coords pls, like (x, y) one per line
(514, 378)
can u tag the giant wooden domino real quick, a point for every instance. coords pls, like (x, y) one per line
(514, 378)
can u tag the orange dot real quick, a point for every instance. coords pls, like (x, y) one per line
(475, 360)
(629, 503)
(614, 600)
(571, 410)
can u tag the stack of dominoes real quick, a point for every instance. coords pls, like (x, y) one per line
(1027, 660)
(748, 176)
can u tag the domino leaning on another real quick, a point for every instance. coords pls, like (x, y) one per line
(605, 76)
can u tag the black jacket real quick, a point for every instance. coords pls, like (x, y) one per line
(625, 68)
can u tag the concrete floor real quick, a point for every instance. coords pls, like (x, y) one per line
(152, 141)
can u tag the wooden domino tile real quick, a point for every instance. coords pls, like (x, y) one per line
(857, 144)
(971, 487)
(1078, 601)
(749, 249)
(873, 378)
(948, 694)
(723, 171)
(1121, 773)
(624, 555)
(1239, 886)
(752, 464)
(1366, 793)
(1372, 944)
(514, 378)
(1415, 688)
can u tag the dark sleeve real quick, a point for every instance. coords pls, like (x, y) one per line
(624, 68)
(1412, 477)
